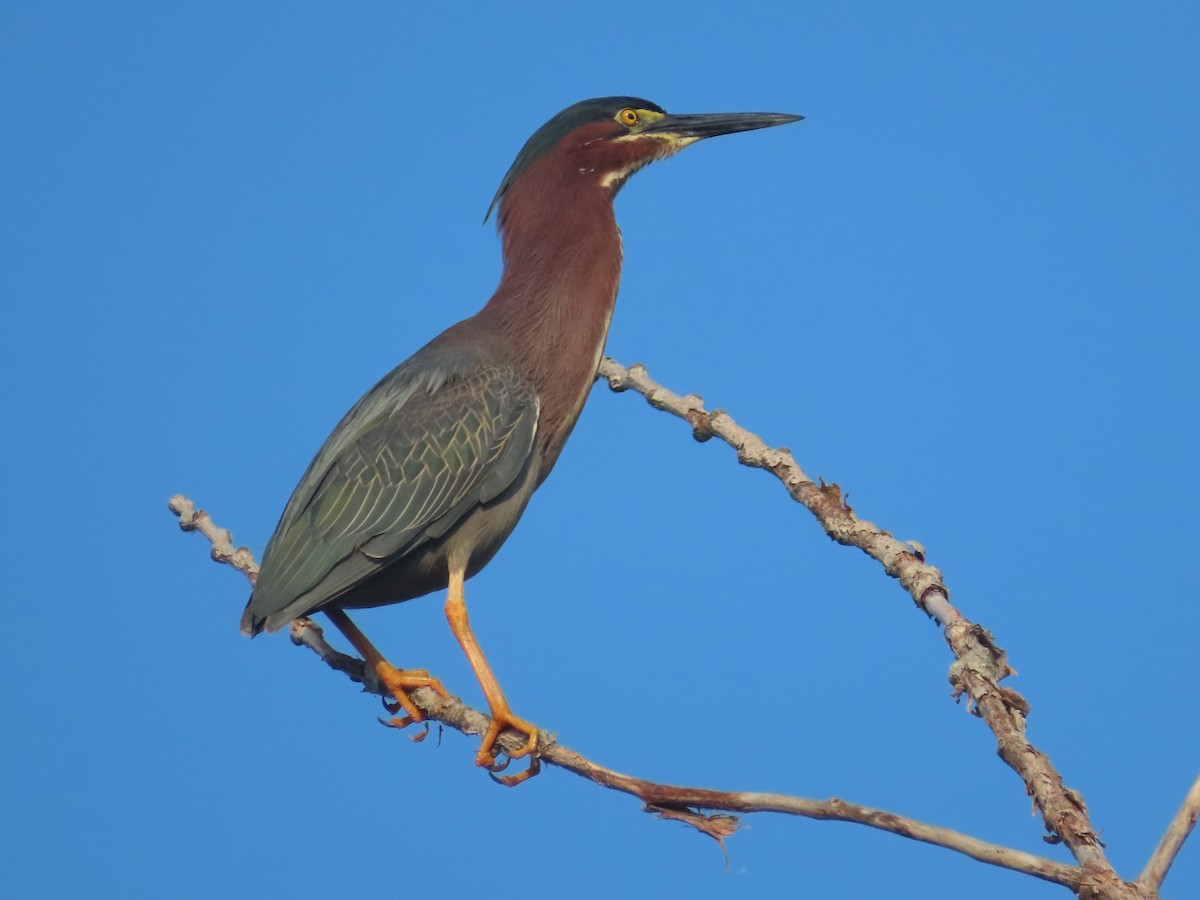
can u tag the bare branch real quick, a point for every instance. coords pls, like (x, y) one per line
(901, 560)
(192, 519)
(1177, 832)
(979, 665)
(667, 801)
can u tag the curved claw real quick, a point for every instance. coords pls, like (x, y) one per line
(500, 766)
(535, 766)
(404, 723)
(396, 723)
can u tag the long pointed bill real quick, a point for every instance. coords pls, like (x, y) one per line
(705, 125)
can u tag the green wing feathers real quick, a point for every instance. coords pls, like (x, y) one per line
(411, 459)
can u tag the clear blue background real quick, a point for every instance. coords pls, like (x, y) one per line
(965, 289)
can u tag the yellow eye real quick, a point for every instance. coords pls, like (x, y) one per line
(628, 117)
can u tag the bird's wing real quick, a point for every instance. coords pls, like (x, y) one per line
(404, 466)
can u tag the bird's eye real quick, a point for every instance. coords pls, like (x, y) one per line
(628, 117)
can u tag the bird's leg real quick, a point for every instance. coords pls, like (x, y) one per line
(397, 681)
(502, 716)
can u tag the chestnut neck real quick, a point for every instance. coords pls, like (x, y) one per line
(562, 267)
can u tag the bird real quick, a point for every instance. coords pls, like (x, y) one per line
(426, 476)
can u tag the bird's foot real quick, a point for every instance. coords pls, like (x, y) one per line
(486, 756)
(398, 683)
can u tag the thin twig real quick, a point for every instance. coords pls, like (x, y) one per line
(670, 801)
(223, 551)
(1177, 832)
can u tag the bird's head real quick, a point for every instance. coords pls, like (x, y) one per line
(602, 142)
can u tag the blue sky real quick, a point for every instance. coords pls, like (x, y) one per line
(964, 288)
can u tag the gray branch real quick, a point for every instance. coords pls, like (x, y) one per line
(1177, 832)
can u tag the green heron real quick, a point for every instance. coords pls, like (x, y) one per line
(424, 478)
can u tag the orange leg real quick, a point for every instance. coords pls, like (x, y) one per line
(397, 681)
(502, 716)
